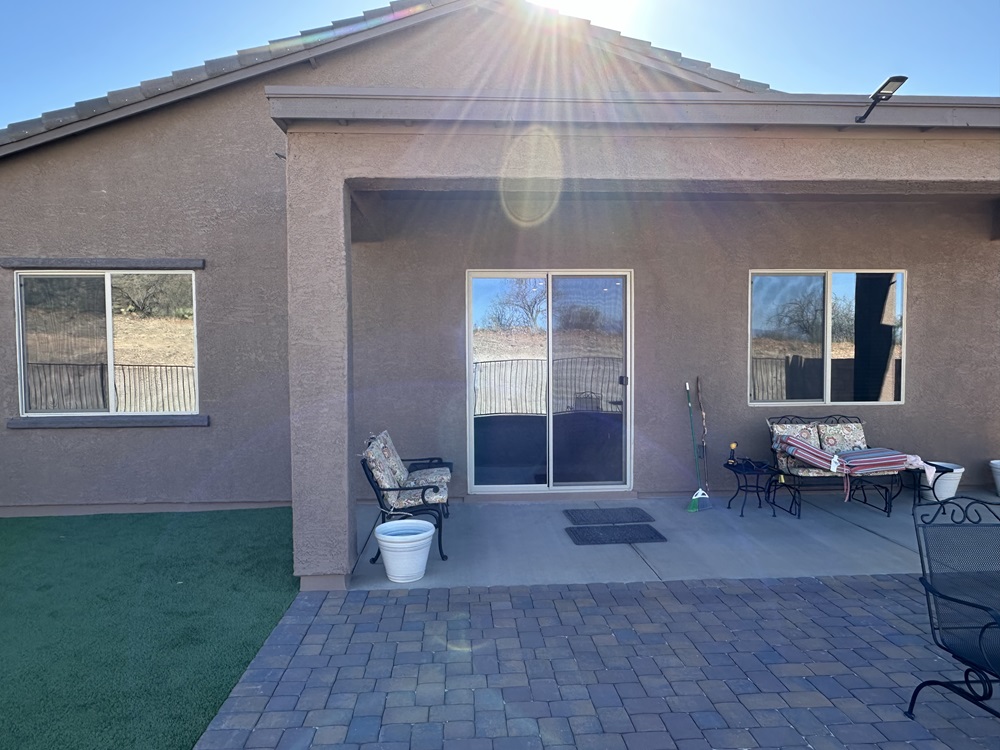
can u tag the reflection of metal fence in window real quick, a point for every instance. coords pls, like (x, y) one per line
(518, 386)
(138, 388)
(509, 386)
(62, 387)
(586, 384)
(801, 378)
(155, 388)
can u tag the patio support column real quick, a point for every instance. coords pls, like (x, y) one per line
(319, 370)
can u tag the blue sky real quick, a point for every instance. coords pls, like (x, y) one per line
(57, 53)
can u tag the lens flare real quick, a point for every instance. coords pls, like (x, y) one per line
(531, 177)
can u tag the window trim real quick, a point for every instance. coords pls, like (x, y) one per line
(82, 268)
(827, 275)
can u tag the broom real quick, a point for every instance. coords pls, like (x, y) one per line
(699, 500)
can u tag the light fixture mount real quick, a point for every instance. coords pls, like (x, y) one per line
(882, 93)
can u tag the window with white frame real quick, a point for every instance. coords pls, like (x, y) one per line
(107, 342)
(826, 336)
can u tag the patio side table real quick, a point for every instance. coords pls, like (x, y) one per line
(752, 476)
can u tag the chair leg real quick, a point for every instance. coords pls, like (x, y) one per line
(378, 550)
(440, 531)
(976, 691)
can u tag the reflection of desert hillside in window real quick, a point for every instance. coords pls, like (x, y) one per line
(770, 347)
(57, 337)
(153, 341)
(489, 345)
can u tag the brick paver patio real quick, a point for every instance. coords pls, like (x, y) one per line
(778, 663)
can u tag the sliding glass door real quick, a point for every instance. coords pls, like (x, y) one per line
(548, 380)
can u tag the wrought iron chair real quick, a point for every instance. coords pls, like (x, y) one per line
(959, 543)
(403, 501)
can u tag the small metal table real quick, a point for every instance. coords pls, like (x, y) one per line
(752, 476)
(918, 479)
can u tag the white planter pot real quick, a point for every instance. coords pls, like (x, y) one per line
(405, 545)
(946, 485)
(995, 468)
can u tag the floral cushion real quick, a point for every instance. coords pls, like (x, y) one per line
(806, 432)
(837, 438)
(803, 470)
(433, 475)
(409, 498)
(379, 466)
(391, 456)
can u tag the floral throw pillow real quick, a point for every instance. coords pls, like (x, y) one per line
(806, 432)
(837, 438)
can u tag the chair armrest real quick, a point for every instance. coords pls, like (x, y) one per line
(430, 462)
(424, 489)
(991, 611)
(974, 616)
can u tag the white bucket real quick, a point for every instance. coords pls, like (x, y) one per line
(945, 485)
(405, 545)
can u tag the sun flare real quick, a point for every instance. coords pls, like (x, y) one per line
(599, 12)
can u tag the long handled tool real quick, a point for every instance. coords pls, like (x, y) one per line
(703, 445)
(699, 500)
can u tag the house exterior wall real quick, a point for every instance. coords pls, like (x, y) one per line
(691, 261)
(200, 179)
(163, 185)
(307, 341)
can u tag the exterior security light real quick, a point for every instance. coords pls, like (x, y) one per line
(884, 92)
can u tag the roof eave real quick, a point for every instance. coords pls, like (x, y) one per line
(290, 104)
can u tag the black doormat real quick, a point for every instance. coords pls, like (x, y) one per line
(632, 533)
(590, 516)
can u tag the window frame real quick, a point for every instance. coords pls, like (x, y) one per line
(40, 269)
(827, 275)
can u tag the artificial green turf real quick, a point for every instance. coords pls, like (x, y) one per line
(129, 631)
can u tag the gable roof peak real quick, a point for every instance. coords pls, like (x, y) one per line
(314, 42)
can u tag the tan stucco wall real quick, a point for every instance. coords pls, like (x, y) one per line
(165, 185)
(691, 263)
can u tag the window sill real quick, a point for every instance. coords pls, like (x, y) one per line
(120, 420)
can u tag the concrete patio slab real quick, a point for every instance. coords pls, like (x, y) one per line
(507, 543)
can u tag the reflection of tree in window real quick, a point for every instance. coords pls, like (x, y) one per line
(521, 304)
(789, 319)
(801, 317)
(579, 318)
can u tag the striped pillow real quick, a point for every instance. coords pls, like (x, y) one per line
(807, 453)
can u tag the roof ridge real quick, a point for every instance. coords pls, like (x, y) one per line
(611, 36)
(396, 10)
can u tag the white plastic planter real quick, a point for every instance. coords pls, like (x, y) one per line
(405, 545)
(946, 485)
